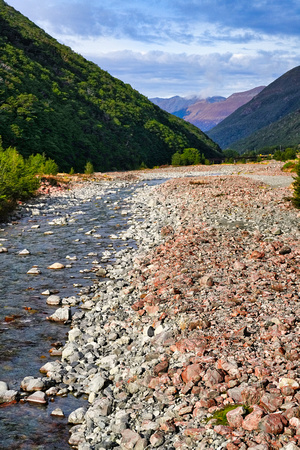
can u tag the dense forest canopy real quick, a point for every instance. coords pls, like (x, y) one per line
(55, 102)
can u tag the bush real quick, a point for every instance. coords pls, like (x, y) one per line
(89, 168)
(296, 194)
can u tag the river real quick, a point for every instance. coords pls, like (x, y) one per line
(82, 224)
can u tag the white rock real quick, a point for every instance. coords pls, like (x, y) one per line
(96, 383)
(77, 416)
(8, 396)
(3, 250)
(57, 412)
(53, 300)
(61, 314)
(34, 271)
(24, 252)
(38, 397)
(73, 334)
(288, 382)
(69, 349)
(3, 386)
(30, 384)
(56, 266)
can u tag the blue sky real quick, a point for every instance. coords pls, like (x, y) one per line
(178, 47)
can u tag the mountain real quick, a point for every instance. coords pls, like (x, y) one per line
(265, 113)
(285, 132)
(208, 115)
(205, 113)
(53, 101)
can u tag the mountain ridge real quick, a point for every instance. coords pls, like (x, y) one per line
(206, 113)
(54, 101)
(272, 104)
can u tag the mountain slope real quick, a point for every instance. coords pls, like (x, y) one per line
(285, 132)
(54, 101)
(207, 116)
(276, 101)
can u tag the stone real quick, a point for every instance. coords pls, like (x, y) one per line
(129, 439)
(30, 384)
(192, 373)
(61, 315)
(157, 439)
(24, 252)
(56, 266)
(271, 402)
(8, 396)
(161, 367)
(252, 420)
(53, 300)
(96, 384)
(77, 416)
(273, 423)
(57, 412)
(3, 250)
(34, 271)
(283, 382)
(38, 397)
(212, 377)
(235, 417)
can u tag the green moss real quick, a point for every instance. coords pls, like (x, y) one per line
(219, 416)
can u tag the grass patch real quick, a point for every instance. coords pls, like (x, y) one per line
(219, 416)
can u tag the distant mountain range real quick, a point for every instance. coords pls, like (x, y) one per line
(270, 118)
(205, 113)
(54, 101)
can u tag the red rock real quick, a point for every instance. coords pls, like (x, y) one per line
(138, 305)
(189, 345)
(192, 373)
(252, 420)
(205, 403)
(256, 254)
(223, 429)
(168, 427)
(212, 377)
(273, 424)
(194, 432)
(152, 309)
(161, 367)
(129, 439)
(271, 402)
(235, 417)
(157, 439)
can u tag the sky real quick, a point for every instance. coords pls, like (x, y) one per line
(164, 48)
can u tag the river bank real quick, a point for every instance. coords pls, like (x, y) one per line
(202, 315)
(205, 318)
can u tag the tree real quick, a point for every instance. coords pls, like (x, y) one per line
(88, 169)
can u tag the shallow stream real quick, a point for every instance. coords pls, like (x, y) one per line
(83, 227)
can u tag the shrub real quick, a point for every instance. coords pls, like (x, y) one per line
(296, 194)
(89, 168)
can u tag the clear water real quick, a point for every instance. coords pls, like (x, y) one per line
(26, 335)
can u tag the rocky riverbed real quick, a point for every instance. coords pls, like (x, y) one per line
(203, 315)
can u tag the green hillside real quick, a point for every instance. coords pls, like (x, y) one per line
(285, 132)
(54, 101)
(272, 104)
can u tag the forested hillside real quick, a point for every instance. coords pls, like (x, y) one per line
(53, 101)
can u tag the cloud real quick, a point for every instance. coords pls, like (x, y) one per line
(163, 74)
